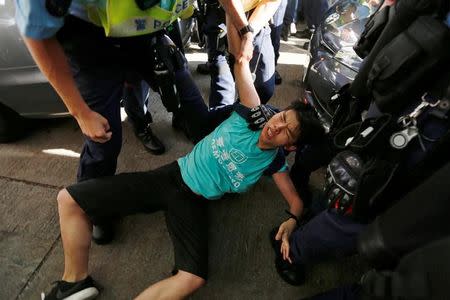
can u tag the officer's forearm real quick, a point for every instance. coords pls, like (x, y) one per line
(263, 13)
(234, 41)
(52, 61)
(235, 10)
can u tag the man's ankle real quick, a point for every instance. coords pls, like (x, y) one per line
(74, 277)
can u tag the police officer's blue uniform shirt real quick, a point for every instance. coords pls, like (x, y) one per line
(226, 161)
(34, 21)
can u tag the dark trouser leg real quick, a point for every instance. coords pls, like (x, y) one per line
(215, 15)
(327, 235)
(135, 103)
(276, 26)
(198, 119)
(101, 87)
(290, 15)
(174, 33)
(263, 65)
(140, 117)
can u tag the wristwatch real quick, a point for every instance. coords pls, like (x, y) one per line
(246, 29)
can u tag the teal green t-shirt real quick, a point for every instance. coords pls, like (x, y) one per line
(228, 160)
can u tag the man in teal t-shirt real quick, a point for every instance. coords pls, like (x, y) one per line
(229, 159)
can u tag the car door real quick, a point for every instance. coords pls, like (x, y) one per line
(22, 86)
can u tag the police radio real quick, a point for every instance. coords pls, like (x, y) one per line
(57, 8)
(146, 4)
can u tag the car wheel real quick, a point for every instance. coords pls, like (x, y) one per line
(12, 125)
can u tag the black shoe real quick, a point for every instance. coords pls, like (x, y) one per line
(305, 46)
(103, 234)
(304, 34)
(150, 141)
(85, 289)
(290, 273)
(278, 78)
(204, 69)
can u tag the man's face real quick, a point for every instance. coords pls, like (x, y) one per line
(282, 129)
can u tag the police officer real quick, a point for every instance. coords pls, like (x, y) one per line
(250, 19)
(401, 141)
(86, 51)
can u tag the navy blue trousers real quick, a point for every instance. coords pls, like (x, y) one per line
(276, 27)
(291, 15)
(100, 68)
(328, 235)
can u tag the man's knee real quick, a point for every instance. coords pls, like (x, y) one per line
(65, 202)
(191, 282)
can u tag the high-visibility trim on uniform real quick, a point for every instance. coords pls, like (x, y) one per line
(123, 18)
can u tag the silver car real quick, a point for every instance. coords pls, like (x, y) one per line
(24, 91)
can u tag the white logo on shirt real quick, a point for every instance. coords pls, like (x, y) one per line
(229, 160)
(237, 156)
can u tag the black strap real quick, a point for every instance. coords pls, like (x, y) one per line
(57, 8)
(280, 158)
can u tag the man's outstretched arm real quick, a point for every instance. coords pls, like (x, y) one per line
(287, 189)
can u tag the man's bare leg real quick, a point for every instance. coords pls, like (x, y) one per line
(76, 232)
(176, 287)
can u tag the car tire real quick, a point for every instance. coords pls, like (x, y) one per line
(12, 125)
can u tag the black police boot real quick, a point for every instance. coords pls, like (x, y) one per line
(291, 273)
(150, 141)
(304, 34)
(278, 78)
(285, 33)
(204, 69)
(103, 233)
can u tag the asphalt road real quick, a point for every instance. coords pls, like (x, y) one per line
(33, 170)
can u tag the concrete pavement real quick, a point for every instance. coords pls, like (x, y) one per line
(33, 169)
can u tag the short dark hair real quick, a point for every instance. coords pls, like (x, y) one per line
(310, 128)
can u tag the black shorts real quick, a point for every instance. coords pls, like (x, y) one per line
(146, 192)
